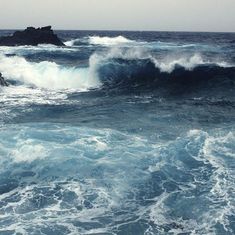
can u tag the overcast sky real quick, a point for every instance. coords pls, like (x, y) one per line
(172, 15)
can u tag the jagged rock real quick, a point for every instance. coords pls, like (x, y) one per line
(2, 81)
(32, 36)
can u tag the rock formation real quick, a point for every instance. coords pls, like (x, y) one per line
(2, 81)
(32, 36)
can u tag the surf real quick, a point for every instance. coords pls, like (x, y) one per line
(48, 75)
(97, 40)
(118, 68)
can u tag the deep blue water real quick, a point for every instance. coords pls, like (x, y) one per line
(119, 133)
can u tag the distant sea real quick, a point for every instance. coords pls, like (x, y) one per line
(119, 133)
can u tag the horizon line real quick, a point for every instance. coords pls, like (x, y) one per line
(126, 30)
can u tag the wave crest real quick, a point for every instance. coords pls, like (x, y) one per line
(97, 40)
(138, 67)
(117, 68)
(109, 41)
(47, 74)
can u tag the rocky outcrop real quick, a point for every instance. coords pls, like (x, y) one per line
(2, 81)
(32, 36)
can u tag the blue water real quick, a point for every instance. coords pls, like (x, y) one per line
(119, 133)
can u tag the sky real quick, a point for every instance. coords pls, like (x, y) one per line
(159, 15)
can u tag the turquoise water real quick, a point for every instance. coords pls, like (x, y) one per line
(118, 133)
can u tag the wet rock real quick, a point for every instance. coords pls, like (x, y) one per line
(2, 81)
(32, 36)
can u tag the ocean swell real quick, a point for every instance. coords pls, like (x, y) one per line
(133, 68)
(118, 68)
(134, 73)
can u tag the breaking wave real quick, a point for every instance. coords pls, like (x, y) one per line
(134, 73)
(119, 68)
(133, 68)
(47, 74)
(96, 40)
(150, 150)
(108, 41)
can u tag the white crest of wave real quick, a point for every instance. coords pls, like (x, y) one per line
(108, 41)
(48, 75)
(97, 40)
(189, 63)
(167, 63)
(21, 50)
(72, 42)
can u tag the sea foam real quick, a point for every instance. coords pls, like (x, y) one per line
(47, 74)
(97, 40)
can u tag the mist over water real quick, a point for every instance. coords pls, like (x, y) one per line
(118, 133)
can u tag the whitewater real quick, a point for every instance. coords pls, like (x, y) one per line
(119, 133)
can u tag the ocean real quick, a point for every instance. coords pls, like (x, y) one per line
(119, 133)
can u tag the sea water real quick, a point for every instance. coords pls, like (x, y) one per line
(119, 133)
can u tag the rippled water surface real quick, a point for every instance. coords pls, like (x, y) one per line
(119, 133)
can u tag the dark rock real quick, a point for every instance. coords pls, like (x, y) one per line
(46, 28)
(10, 54)
(32, 36)
(2, 81)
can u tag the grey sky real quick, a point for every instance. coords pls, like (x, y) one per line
(183, 15)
